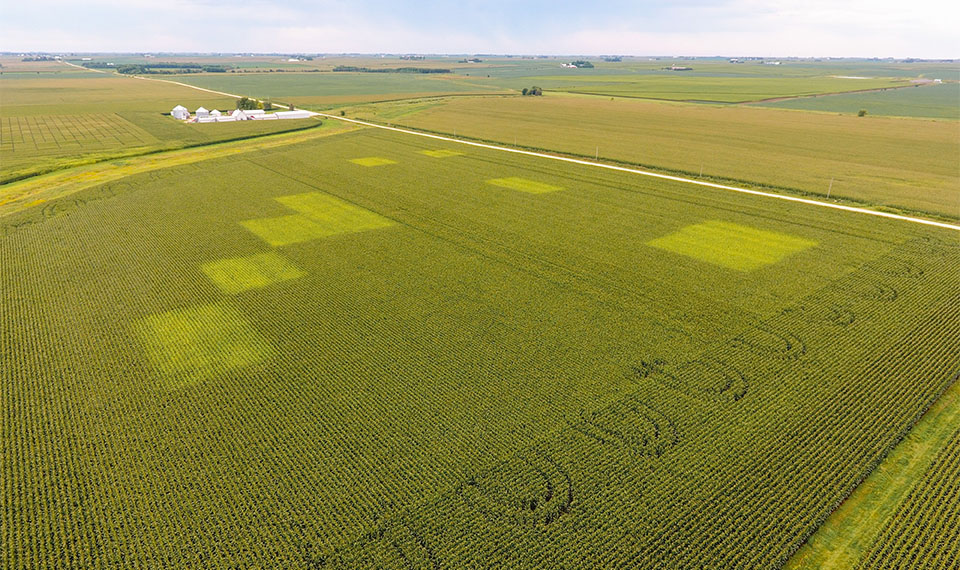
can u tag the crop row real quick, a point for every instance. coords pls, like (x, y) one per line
(923, 532)
(730, 480)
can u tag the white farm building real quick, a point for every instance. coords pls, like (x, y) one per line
(203, 115)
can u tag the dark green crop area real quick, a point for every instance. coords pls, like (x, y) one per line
(929, 101)
(923, 531)
(327, 87)
(354, 353)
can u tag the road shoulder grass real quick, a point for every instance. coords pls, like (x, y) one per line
(846, 536)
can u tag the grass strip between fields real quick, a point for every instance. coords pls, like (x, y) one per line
(18, 196)
(843, 539)
(808, 201)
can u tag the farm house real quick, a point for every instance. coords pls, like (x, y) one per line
(180, 112)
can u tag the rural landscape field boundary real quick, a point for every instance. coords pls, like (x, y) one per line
(22, 194)
(850, 530)
(675, 178)
(656, 175)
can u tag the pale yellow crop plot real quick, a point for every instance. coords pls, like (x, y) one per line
(320, 215)
(372, 161)
(239, 274)
(731, 245)
(286, 230)
(441, 153)
(196, 343)
(335, 215)
(524, 185)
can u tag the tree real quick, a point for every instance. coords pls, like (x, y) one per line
(862, 113)
(246, 104)
(525, 91)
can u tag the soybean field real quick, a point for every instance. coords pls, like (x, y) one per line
(372, 350)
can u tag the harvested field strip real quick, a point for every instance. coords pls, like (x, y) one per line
(17, 196)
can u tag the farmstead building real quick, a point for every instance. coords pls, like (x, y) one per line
(180, 112)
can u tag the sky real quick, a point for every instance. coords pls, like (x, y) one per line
(804, 28)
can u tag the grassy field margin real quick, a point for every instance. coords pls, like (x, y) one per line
(18, 196)
(845, 536)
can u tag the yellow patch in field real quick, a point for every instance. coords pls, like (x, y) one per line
(731, 245)
(285, 230)
(441, 153)
(196, 343)
(372, 161)
(37, 201)
(524, 185)
(333, 215)
(240, 274)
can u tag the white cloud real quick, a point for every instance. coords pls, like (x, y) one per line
(923, 28)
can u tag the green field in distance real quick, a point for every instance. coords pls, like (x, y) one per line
(933, 101)
(899, 163)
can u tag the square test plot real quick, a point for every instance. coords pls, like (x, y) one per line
(239, 274)
(524, 185)
(731, 245)
(372, 161)
(196, 343)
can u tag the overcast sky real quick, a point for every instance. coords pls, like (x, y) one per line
(869, 28)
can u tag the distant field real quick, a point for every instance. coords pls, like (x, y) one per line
(54, 120)
(934, 101)
(329, 87)
(689, 86)
(39, 135)
(901, 163)
(378, 351)
(88, 92)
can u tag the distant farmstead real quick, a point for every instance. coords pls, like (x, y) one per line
(202, 115)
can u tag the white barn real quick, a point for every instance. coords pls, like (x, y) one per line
(203, 112)
(180, 112)
(298, 114)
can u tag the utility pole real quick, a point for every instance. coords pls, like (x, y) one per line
(830, 189)
(597, 158)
